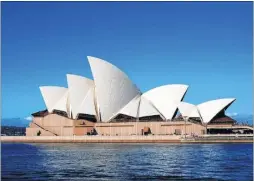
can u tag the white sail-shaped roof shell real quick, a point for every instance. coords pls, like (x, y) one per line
(166, 98)
(146, 108)
(87, 106)
(62, 104)
(113, 88)
(81, 95)
(187, 109)
(131, 109)
(55, 98)
(208, 110)
(139, 107)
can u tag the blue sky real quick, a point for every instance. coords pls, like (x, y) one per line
(205, 45)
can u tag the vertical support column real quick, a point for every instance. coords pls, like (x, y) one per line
(185, 119)
(205, 128)
(73, 126)
(110, 129)
(137, 120)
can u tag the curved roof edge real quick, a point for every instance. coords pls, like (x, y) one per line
(113, 87)
(166, 98)
(75, 76)
(87, 105)
(130, 109)
(79, 87)
(146, 108)
(186, 109)
(171, 85)
(55, 97)
(210, 109)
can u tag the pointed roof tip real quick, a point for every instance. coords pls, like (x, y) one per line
(97, 59)
(230, 99)
(227, 98)
(181, 85)
(51, 87)
(171, 85)
(70, 76)
(73, 75)
(92, 57)
(45, 86)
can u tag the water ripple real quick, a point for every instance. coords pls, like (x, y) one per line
(127, 162)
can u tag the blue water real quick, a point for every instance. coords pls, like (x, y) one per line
(127, 162)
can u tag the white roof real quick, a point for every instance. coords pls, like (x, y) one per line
(131, 109)
(139, 107)
(81, 95)
(208, 110)
(69, 109)
(166, 98)
(87, 106)
(113, 88)
(146, 108)
(55, 98)
(186, 109)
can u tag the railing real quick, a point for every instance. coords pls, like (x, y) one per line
(219, 137)
(226, 135)
(126, 139)
(89, 138)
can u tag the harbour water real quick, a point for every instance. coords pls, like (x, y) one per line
(74, 161)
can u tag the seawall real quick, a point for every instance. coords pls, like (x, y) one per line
(123, 139)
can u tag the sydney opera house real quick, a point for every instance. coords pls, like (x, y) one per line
(112, 105)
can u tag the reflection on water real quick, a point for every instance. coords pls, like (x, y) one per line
(127, 161)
